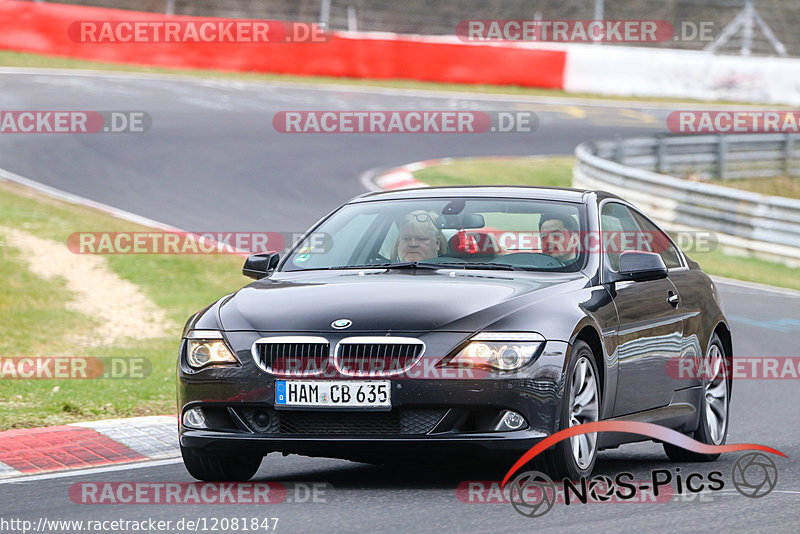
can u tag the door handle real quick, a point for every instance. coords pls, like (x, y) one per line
(674, 299)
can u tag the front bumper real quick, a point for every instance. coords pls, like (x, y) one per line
(431, 416)
(367, 448)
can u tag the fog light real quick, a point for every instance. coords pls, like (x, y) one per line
(510, 421)
(261, 419)
(194, 418)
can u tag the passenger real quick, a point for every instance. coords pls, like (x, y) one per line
(420, 239)
(559, 237)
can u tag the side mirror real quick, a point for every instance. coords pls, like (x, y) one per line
(641, 266)
(259, 265)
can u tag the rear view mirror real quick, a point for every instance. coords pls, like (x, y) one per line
(461, 221)
(641, 266)
(259, 265)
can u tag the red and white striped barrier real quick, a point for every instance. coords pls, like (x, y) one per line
(54, 29)
(50, 29)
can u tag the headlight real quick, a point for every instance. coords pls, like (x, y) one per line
(207, 347)
(500, 351)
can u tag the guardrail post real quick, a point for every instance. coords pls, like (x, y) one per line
(722, 155)
(618, 149)
(324, 13)
(660, 154)
(787, 155)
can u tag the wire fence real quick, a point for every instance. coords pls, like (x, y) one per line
(440, 17)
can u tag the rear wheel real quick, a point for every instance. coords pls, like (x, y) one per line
(714, 406)
(575, 457)
(210, 468)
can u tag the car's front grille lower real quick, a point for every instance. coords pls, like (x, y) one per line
(406, 421)
(377, 356)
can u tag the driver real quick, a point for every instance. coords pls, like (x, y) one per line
(419, 239)
(558, 234)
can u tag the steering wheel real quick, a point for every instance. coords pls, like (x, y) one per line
(529, 259)
(377, 258)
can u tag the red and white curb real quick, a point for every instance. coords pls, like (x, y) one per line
(402, 177)
(90, 444)
(398, 177)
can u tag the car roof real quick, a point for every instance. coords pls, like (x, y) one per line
(564, 194)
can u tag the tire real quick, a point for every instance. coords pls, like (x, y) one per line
(560, 461)
(209, 468)
(715, 402)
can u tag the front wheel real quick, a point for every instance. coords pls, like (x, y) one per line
(211, 468)
(714, 406)
(575, 457)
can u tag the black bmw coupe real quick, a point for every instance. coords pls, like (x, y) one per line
(456, 320)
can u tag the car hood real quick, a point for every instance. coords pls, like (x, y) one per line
(382, 301)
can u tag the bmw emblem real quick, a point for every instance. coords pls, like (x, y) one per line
(341, 323)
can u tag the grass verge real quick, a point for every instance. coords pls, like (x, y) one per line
(37, 320)
(780, 186)
(557, 171)
(549, 170)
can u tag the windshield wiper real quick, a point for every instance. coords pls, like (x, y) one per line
(490, 266)
(400, 265)
(433, 265)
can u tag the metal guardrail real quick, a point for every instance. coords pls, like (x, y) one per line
(645, 170)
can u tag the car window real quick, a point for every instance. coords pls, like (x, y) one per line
(619, 232)
(348, 233)
(388, 241)
(660, 242)
(526, 233)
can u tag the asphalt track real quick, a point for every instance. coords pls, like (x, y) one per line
(213, 162)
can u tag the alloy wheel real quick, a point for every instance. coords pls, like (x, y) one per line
(716, 393)
(584, 408)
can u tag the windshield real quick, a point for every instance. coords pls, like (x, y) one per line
(537, 235)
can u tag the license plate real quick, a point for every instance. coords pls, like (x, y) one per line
(327, 393)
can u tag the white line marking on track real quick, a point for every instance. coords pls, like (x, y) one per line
(77, 199)
(83, 201)
(756, 286)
